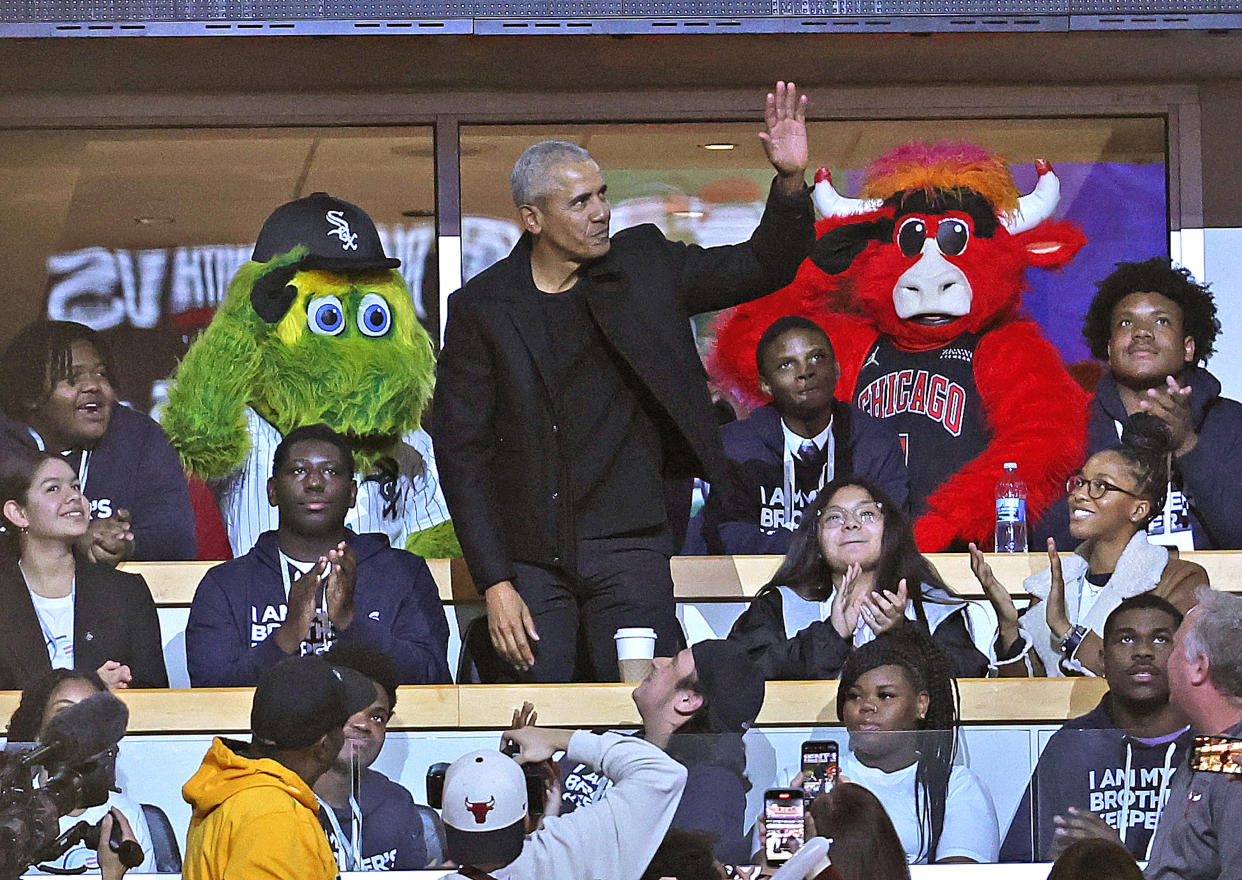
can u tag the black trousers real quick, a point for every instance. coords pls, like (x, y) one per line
(618, 582)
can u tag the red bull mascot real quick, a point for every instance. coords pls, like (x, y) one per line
(919, 285)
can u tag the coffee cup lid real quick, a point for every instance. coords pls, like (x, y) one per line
(635, 632)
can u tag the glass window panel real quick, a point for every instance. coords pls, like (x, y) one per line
(138, 232)
(1112, 171)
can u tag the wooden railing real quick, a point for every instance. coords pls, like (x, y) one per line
(707, 578)
(490, 707)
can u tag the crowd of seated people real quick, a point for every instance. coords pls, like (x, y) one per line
(325, 623)
(896, 699)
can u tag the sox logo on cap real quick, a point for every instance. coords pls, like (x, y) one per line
(349, 240)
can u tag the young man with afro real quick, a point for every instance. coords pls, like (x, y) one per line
(1156, 327)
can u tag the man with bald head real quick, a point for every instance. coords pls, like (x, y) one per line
(569, 392)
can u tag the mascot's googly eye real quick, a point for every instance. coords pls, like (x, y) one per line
(325, 316)
(952, 236)
(911, 235)
(374, 315)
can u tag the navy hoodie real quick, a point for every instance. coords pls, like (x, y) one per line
(1092, 764)
(133, 467)
(755, 476)
(1207, 474)
(395, 836)
(240, 603)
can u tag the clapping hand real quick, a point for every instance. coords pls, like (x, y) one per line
(998, 596)
(847, 604)
(883, 610)
(1055, 609)
(1171, 404)
(339, 589)
(303, 599)
(109, 540)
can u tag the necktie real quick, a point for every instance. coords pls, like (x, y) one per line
(808, 465)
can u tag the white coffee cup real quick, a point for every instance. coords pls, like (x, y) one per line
(635, 651)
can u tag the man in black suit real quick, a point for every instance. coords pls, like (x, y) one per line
(569, 391)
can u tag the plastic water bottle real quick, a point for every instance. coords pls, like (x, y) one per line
(1011, 511)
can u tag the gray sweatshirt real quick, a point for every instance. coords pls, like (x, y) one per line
(1197, 837)
(615, 837)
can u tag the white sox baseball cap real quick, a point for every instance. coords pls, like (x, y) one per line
(484, 808)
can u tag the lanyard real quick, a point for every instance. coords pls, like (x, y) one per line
(351, 847)
(287, 567)
(83, 465)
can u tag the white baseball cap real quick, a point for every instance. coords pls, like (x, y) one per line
(484, 808)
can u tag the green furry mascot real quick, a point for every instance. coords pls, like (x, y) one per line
(317, 327)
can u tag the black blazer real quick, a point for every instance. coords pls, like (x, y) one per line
(114, 618)
(493, 424)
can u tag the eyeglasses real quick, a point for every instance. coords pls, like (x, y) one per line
(1096, 488)
(864, 514)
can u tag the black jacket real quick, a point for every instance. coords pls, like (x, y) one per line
(114, 618)
(755, 449)
(494, 428)
(817, 651)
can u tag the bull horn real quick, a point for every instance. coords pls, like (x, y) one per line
(1038, 206)
(832, 204)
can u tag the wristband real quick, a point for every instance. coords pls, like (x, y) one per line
(1021, 656)
(1072, 640)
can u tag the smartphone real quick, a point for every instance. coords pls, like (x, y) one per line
(819, 767)
(1217, 754)
(435, 785)
(536, 789)
(783, 809)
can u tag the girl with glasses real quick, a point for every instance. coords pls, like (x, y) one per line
(851, 573)
(1111, 501)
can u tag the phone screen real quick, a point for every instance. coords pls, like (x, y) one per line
(1217, 754)
(819, 767)
(782, 810)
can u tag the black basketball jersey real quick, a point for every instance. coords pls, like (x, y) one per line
(929, 398)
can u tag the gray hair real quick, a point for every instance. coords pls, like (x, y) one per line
(531, 173)
(1214, 634)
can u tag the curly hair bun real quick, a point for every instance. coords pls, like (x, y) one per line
(1145, 433)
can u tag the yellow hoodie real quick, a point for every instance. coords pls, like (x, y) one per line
(253, 818)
